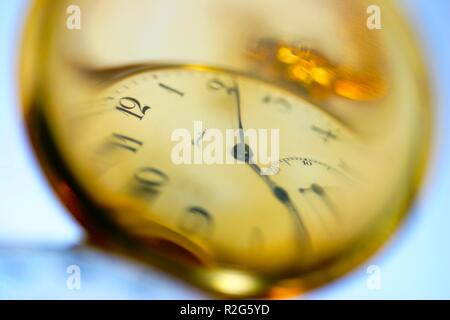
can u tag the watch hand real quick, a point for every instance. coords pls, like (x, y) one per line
(322, 194)
(282, 195)
(237, 95)
(243, 152)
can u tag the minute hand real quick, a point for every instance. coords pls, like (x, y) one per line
(243, 152)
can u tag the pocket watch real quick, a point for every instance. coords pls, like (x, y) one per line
(128, 105)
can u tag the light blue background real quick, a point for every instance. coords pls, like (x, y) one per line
(416, 264)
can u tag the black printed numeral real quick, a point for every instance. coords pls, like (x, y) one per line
(282, 104)
(171, 89)
(195, 220)
(125, 142)
(132, 107)
(150, 181)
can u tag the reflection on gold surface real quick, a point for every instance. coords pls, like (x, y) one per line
(349, 102)
(314, 72)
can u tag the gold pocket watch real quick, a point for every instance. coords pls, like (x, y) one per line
(110, 88)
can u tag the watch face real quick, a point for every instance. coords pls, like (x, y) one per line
(231, 143)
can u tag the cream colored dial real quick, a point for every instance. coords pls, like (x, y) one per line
(120, 146)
